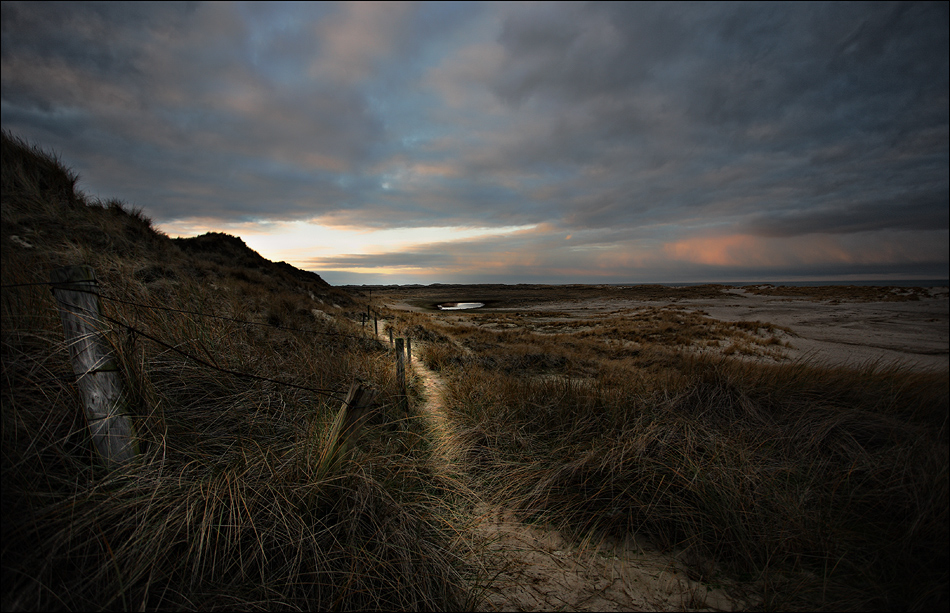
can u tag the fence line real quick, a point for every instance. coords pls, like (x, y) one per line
(134, 330)
(231, 319)
(324, 392)
(333, 394)
(207, 315)
(96, 372)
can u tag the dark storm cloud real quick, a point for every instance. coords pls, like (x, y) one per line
(170, 99)
(732, 64)
(797, 99)
(96, 38)
(664, 139)
(900, 212)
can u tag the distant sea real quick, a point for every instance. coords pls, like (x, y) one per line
(880, 283)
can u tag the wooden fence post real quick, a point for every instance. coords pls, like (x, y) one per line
(400, 368)
(390, 336)
(376, 325)
(97, 374)
(349, 420)
(409, 350)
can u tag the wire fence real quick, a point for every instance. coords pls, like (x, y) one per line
(184, 312)
(333, 394)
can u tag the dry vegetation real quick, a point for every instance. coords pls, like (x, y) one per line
(551, 343)
(814, 488)
(819, 487)
(235, 501)
(838, 293)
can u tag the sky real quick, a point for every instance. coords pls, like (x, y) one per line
(457, 142)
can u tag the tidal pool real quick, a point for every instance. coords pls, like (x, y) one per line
(458, 306)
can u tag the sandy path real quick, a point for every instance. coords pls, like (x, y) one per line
(534, 568)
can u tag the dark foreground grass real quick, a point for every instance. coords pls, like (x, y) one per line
(821, 488)
(240, 498)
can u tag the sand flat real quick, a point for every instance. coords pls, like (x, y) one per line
(852, 326)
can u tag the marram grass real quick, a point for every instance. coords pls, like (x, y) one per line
(241, 497)
(820, 487)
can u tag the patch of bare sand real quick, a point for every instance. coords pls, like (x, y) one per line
(912, 333)
(534, 568)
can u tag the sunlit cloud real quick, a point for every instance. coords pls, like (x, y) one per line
(303, 242)
(742, 250)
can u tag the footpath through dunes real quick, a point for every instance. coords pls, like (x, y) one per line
(531, 567)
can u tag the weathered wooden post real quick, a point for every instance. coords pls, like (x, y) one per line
(76, 290)
(390, 336)
(400, 369)
(376, 324)
(409, 350)
(349, 420)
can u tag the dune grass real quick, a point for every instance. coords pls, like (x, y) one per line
(820, 488)
(240, 498)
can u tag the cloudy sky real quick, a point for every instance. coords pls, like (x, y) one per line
(481, 142)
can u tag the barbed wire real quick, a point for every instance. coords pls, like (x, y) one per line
(8, 285)
(333, 394)
(222, 317)
(205, 363)
(184, 312)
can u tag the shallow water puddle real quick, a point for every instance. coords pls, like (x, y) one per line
(458, 306)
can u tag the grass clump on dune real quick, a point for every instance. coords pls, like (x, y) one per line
(233, 502)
